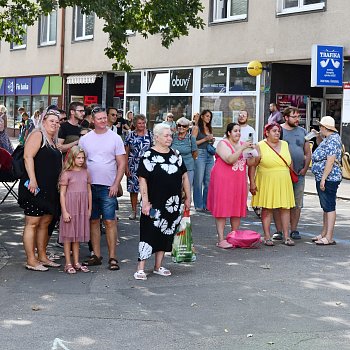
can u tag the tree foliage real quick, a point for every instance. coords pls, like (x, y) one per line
(169, 18)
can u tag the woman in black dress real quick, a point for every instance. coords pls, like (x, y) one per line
(162, 175)
(38, 191)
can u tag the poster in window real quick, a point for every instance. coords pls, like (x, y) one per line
(217, 119)
(235, 115)
(299, 101)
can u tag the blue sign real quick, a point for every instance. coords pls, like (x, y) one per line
(23, 86)
(327, 65)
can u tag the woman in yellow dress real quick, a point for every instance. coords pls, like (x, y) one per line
(270, 182)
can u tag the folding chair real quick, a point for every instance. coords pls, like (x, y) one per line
(10, 190)
(6, 177)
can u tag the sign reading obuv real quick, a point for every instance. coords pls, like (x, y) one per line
(327, 65)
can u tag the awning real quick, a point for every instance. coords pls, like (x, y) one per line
(81, 79)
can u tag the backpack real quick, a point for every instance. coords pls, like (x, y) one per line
(244, 239)
(18, 169)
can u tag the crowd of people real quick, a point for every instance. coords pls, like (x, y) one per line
(75, 162)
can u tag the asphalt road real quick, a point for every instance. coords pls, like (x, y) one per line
(268, 298)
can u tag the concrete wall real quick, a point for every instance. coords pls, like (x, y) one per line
(264, 36)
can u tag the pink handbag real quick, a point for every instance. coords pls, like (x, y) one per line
(244, 239)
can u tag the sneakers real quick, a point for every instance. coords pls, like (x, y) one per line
(295, 235)
(277, 236)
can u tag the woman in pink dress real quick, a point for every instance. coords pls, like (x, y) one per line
(76, 204)
(227, 196)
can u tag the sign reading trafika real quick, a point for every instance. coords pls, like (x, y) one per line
(326, 65)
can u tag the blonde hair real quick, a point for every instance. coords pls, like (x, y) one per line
(3, 109)
(69, 161)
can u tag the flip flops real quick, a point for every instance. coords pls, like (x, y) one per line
(269, 242)
(325, 241)
(39, 267)
(224, 244)
(316, 238)
(162, 271)
(289, 242)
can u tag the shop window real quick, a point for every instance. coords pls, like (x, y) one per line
(226, 109)
(240, 80)
(181, 81)
(48, 29)
(133, 83)
(23, 45)
(213, 80)
(40, 103)
(293, 6)
(229, 10)
(159, 106)
(133, 104)
(10, 105)
(83, 25)
(158, 82)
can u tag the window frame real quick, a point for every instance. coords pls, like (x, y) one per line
(75, 22)
(236, 18)
(321, 6)
(47, 42)
(15, 47)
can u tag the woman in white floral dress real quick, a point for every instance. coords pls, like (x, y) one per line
(162, 175)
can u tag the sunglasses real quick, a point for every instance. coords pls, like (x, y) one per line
(98, 109)
(52, 112)
(113, 114)
(181, 126)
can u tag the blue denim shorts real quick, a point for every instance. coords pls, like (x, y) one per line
(102, 203)
(298, 189)
(328, 196)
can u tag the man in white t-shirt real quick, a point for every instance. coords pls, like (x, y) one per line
(105, 158)
(246, 130)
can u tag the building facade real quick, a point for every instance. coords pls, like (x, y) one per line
(206, 69)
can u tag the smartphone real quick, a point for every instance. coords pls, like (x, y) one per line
(250, 137)
(26, 184)
(152, 213)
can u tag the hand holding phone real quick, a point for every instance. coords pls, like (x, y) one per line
(26, 184)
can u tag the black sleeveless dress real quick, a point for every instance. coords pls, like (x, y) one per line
(47, 167)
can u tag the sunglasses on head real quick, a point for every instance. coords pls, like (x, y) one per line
(98, 109)
(52, 112)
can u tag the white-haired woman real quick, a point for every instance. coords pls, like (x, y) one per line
(136, 143)
(186, 144)
(5, 141)
(162, 174)
(38, 192)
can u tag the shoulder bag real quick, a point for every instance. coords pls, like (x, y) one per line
(293, 174)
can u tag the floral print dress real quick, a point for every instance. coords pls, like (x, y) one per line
(163, 173)
(138, 145)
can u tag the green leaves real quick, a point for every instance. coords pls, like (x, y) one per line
(169, 18)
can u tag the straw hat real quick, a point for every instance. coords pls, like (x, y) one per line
(328, 122)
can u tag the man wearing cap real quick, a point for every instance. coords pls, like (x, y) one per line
(105, 158)
(300, 152)
(326, 166)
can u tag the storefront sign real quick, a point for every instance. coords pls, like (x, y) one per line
(40, 85)
(213, 79)
(327, 66)
(10, 86)
(181, 81)
(345, 111)
(23, 86)
(90, 100)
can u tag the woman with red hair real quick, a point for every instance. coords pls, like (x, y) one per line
(270, 182)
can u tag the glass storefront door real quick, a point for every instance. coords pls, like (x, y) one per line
(333, 108)
(316, 113)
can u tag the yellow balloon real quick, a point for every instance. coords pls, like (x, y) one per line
(254, 68)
